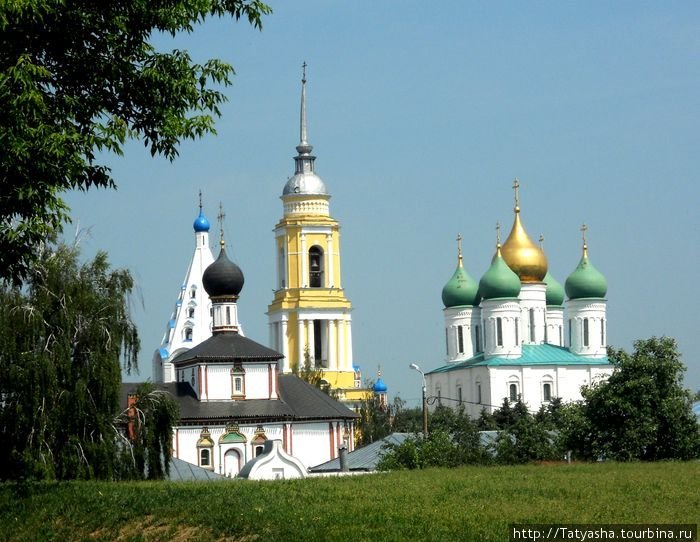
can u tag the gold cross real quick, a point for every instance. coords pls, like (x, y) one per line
(541, 240)
(583, 231)
(498, 233)
(516, 185)
(459, 245)
(200, 200)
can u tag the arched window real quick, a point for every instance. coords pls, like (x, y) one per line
(602, 332)
(190, 312)
(513, 392)
(585, 332)
(193, 292)
(477, 339)
(532, 325)
(570, 332)
(237, 382)
(499, 332)
(259, 450)
(205, 446)
(460, 339)
(517, 334)
(447, 341)
(478, 392)
(459, 394)
(547, 391)
(188, 333)
(204, 457)
(316, 267)
(282, 268)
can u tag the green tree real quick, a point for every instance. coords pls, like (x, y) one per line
(374, 422)
(148, 440)
(64, 339)
(79, 78)
(310, 372)
(641, 411)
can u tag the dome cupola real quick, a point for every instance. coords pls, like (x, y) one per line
(555, 291)
(521, 254)
(223, 277)
(499, 281)
(585, 281)
(201, 224)
(461, 289)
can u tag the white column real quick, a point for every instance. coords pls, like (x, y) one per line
(341, 344)
(348, 359)
(311, 342)
(300, 346)
(285, 344)
(329, 259)
(304, 279)
(332, 345)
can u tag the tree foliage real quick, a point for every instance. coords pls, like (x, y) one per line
(641, 412)
(63, 341)
(79, 78)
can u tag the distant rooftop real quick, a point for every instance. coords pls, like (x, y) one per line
(365, 458)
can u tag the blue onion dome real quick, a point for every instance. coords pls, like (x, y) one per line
(555, 291)
(223, 277)
(461, 289)
(201, 224)
(586, 281)
(499, 281)
(380, 386)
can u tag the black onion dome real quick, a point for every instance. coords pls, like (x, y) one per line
(223, 277)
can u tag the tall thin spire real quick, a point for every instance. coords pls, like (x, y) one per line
(584, 228)
(303, 147)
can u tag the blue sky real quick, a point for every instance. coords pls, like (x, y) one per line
(421, 115)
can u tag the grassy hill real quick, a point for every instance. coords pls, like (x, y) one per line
(475, 503)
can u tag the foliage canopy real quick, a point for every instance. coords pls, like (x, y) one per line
(63, 341)
(79, 78)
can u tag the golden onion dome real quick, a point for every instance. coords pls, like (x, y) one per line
(523, 256)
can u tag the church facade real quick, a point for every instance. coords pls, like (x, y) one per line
(513, 336)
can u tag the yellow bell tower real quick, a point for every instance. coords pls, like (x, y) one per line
(309, 316)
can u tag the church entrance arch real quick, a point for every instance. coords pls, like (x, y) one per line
(232, 463)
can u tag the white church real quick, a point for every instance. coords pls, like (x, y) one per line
(513, 336)
(238, 398)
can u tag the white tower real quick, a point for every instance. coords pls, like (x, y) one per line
(586, 308)
(190, 322)
(462, 313)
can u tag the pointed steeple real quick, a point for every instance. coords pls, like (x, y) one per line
(305, 181)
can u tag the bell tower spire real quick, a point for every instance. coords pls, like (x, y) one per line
(304, 160)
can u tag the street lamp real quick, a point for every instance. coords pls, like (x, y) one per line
(425, 401)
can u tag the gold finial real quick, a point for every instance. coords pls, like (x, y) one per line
(200, 200)
(584, 228)
(220, 217)
(303, 72)
(459, 249)
(516, 185)
(379, 371)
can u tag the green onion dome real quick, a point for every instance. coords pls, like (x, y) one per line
(586, 281)
(461, 289)
(499, 281)
(555, 291)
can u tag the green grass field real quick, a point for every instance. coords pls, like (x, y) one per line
(475, 503)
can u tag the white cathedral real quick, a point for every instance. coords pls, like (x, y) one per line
(513, 336)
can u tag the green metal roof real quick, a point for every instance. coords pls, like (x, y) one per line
(532, 354)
